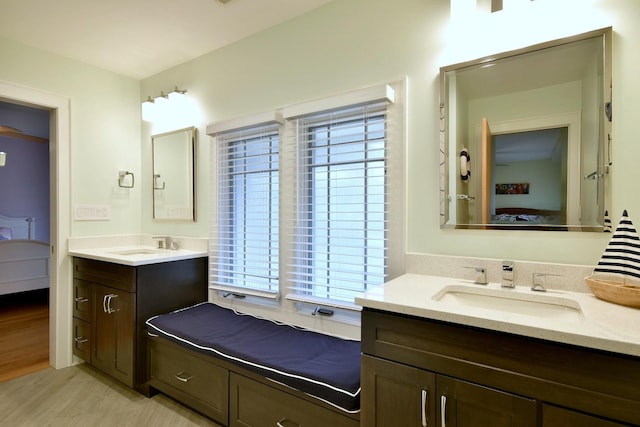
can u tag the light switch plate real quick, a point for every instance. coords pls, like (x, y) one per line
(91, 212)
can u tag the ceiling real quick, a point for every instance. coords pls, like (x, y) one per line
(139, 38)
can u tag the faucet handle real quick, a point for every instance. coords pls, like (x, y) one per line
(539, 281)
(507, 274)
(163, 241)
(481, 275)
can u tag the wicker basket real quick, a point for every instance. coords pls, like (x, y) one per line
(615, 291)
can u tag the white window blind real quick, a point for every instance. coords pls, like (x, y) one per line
(340, 236)
(244, 257)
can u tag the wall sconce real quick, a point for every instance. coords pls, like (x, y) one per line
(3, 158)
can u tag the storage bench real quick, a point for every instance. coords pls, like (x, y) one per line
(239, 369)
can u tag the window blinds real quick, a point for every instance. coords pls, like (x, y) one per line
(340, 235)
(245, 256)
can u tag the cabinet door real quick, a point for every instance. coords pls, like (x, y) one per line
(113, 335)
(396, 395)
(463, 404)
(554, 416)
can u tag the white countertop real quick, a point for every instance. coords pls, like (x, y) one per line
(603, 325)
(136, 255)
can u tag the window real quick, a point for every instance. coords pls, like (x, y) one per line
(312, 211)
(246, 254)
(341, 235)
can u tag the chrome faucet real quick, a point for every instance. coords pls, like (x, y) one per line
(165, 242)
(507, 274)
(481, 275)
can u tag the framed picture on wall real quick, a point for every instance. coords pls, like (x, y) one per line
(516, 188)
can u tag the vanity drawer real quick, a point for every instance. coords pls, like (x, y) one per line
(110, 274)
(187, 376)
(82, 339)
(257, 404)
(82, 300)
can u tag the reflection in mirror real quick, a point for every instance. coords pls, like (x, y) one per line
(525, 137)
(174, 175)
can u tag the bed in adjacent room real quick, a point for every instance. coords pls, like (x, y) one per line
(521, 216)
(24, 261)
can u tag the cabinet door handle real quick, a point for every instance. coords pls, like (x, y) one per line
(425, 407)
(180, 376)
(82, 299)
(284, 420)
(81, 340)
(443, 410)
(106, 303)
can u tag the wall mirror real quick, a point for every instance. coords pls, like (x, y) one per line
(174, 175)
(525, 137)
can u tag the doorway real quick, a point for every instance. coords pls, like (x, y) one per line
(571, 166)
(24, 281)
(60, 348)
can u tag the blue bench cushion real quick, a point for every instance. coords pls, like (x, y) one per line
(320, 365)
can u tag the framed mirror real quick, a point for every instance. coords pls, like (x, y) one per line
(525, 137)
(174, 175)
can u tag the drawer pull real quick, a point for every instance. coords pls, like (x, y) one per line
(180, 376)
(284, 420)
(443, 410)
(82, 299)
(106, 303)
(424, 406)
(81, 340)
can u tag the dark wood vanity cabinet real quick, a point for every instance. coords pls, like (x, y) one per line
(419, 372)
(113, 301)
(409, 396)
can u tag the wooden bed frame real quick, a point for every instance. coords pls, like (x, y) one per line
(24, 261)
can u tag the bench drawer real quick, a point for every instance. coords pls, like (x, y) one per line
(256, 404)
(199, 383)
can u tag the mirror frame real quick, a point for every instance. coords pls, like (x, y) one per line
(190, 134)
(606, 35)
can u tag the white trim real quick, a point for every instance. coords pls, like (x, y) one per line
(239, 290)
(239, 123)
(323, 302)
(382, 92)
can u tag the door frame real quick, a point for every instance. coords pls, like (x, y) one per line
(572, 122)
(60, 329)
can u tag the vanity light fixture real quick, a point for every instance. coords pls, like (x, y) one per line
(164, 96)
(3, 158)
(152, 106)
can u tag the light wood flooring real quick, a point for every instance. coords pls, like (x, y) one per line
(24, 333)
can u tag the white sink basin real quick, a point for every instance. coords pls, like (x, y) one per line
(140, 251)
(512, 301)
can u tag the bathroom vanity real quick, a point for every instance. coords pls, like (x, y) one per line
(113, 300)
(428, 362)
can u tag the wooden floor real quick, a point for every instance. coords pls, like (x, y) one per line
(24, 333)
